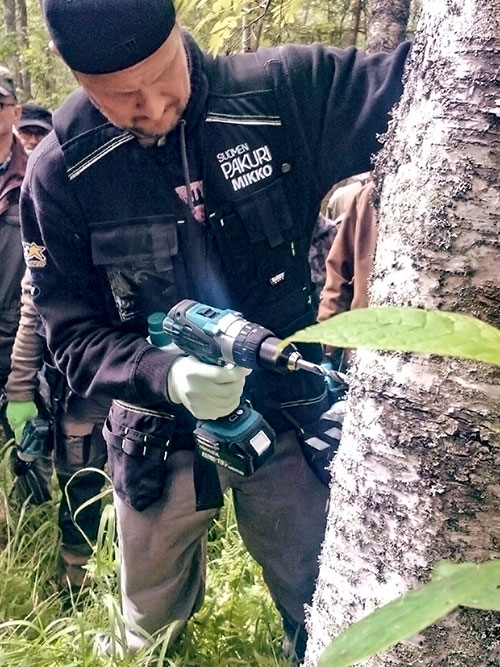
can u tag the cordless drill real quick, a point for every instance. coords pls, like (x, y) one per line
(34, 439)
(243, 440)
(33, 444)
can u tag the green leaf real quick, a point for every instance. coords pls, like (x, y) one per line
(412, 613)
(408, 330)
(484, 599)
(489, 600)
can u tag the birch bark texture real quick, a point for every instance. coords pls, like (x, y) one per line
(388, 20)
(417, 476)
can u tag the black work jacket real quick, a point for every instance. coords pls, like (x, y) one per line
(267, 134)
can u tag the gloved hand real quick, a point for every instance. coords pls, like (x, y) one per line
(18, 413)
(207, 391)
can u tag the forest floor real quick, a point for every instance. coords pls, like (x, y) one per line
(41, 626)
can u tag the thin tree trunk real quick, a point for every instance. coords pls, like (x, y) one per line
(356, 14)
(11, 34)
(307, 10)
(22, 29)
(417, 476)
(343, 16)
(9, 16)
(246, 32)
(387, 24)
(265, 6)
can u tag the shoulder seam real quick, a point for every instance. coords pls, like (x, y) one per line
(41, 154)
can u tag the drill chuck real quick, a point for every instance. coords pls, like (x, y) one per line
(240, 340)
(253, 346)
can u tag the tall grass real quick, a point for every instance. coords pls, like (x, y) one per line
(40, 626)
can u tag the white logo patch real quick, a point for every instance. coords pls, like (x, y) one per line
(244, 167)
(34, 255)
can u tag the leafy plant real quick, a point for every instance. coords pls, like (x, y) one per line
(42, 626)
(408, 330)
(452, 585)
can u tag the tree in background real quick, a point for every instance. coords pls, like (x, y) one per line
(416, 477)
(24, 49)
(387, 25)
(218, 25)
(16, 36)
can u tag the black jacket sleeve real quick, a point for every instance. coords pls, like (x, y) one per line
(97, 358)
(341, 100)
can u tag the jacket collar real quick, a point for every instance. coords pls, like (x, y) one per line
(199, 82)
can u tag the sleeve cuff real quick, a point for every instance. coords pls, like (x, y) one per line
(151, 374)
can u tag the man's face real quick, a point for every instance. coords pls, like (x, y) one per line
(30, 136)
(10, 112)
(148, 98)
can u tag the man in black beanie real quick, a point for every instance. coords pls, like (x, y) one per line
(176, 175)
(35, 124)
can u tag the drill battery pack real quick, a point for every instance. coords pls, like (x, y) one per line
(240, 442)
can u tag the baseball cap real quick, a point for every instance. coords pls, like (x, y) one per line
(35, 115)
(7, 86)
(103, 36)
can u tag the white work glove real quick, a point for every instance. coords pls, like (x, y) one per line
(207, 391)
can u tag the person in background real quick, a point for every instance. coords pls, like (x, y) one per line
(21, 388)
(175, 175)
(343, 195)
(327, 226)
(350, 262)
(12, 167)
(35, 124)
(35, 386)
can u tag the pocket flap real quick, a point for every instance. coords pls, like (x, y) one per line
(150, 240)
(266, 214)
(138, 431)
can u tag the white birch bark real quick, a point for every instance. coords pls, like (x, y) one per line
(417, 477)
(387, 24)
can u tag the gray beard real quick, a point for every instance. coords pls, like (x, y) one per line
(144, 138)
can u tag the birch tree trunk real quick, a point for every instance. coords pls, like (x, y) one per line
(387, 24)
(417, 477)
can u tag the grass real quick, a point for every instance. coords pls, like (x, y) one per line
(42, 627)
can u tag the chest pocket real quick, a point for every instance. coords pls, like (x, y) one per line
(264, 250)
(138, 256)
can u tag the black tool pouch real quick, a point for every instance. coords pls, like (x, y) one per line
(138, 442)
(319, 442)
(320, 439)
